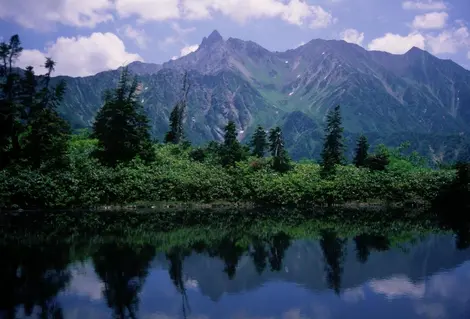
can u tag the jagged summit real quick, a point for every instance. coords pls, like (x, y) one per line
(391, 97)
(415, 51)
(213, 38)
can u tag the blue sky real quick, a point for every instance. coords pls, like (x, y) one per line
(89, 36)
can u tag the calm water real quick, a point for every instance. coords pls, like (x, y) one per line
(229, 275)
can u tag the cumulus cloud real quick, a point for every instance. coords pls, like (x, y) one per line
(397, 44)
(296, 12)
(81, 56)
(89, 13)
(398, 287)
(424, 5)
(85, 283)
(433, 20)
(44, 14)
(449, 41)
(139, 36)
(188, 49)
(148, 10)
(352, 36)
(178, 36)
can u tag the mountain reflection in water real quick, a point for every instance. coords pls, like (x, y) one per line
(237, 274)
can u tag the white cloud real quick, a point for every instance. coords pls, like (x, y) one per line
(178, 37)
(138, 35)
(188, 49)
(352, 36)
(398, 287)
(432, 20)
(88, 13)
(296, 12)
(397, 44)
(85, 283)
(449, 41)
(81, 56)
(44, 14)
(181, 31)
(148, 10)
(424, 5)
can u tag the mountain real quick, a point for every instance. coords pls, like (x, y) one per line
(303, 264)
(392, 98)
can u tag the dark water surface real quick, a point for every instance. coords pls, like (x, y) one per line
(268, 270)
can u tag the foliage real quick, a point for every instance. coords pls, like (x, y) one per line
(377, 162)
(231, 151)
(121, 126)
(362, 150)
(280, 158)
(333, 147)
(259, 142)
(43, 166)
(32, 133)
(175, 176)
(176, 133)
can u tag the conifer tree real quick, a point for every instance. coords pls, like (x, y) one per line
(333, 146)
(362, 150)
(10, 109)
(176, 133)
(31, 130)
(280, 158)
(121, 126)
(259, 142)
(47, 134)
(231, 150)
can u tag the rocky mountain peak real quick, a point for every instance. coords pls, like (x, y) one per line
(415, 50)
(212, 39)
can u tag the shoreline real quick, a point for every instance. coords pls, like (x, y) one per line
(221, 205)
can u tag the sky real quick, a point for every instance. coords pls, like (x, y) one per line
(85, 37)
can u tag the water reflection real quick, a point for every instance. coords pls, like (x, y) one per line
(240, 274)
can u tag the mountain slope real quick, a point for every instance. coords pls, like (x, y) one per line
(381, 94)
(211, 101)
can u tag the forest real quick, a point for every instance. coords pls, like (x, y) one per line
(43, 164)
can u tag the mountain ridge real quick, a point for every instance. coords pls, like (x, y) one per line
(242, 81)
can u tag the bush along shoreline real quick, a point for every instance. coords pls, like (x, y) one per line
(175, 177)
(44, 165)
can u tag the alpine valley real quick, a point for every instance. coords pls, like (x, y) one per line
(413, 97)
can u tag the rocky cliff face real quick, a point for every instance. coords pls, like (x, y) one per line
(380, 93)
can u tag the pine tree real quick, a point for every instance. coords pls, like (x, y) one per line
(10, 109)
(333, 146)
(121, 126)
(280, 158)
(176, 133)
(231, 150)
(47, 134)
(362, 150)
(259, 142)
(31, 130)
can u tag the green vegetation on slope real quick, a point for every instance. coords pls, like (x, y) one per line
(118, 164)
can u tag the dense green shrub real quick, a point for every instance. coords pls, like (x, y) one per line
(177, 176)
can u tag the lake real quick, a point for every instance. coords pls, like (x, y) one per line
(201, 264)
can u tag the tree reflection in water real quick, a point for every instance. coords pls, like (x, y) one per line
(123, 270)
(33, 276)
